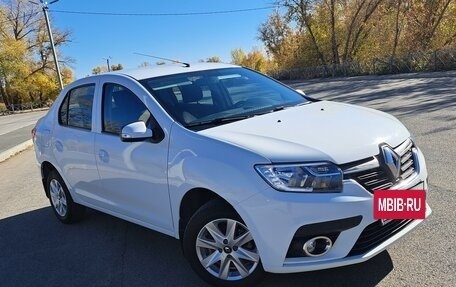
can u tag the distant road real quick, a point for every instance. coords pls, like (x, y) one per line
(16, 121)
(16, 129)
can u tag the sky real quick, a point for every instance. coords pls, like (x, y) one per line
(187, 38)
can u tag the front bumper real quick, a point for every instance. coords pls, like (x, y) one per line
(273, 217)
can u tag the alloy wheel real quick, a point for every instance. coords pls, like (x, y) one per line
(58, 197)
(226, 249)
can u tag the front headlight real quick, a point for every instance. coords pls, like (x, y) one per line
(312, 177)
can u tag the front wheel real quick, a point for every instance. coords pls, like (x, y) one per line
(220, 247)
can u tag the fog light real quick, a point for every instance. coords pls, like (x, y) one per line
(317, 246)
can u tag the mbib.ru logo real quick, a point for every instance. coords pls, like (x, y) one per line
(399, 204)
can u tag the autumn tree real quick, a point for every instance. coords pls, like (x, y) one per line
(99, 70)
(213, 59)
(13, 69)
(424, 19)
(116, 67)
(238, 57)
(280, 41)
(254, 59)
(333, 34)
(25, 53)
(104, 69)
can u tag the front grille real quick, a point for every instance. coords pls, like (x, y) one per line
(374, 179)
(405, 151)
(375, 233)
(379, 178)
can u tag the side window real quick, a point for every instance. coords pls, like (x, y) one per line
(121, 107)
(76, 108)
(63, 112)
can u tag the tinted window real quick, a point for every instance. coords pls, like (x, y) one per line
(76, 108)
(121, 107)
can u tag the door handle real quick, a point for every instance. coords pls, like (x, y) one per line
(103, 155)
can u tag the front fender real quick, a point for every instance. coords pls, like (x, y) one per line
(197, 161)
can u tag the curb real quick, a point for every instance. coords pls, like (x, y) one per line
(14, 150)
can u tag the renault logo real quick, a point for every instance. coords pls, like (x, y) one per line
(392, 161)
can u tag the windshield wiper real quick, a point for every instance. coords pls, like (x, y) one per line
(279, 108)
(275, 109)
(224, 120)
(219, 121)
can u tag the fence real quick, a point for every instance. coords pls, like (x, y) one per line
(441, 60)
(17, 108)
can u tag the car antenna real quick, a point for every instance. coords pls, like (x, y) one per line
(187, 65)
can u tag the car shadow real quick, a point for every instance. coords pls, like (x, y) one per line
(37, 250)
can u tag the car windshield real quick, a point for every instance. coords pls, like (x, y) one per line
(203, 99)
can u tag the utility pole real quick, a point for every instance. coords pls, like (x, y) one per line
(107, 63)
(44, 6)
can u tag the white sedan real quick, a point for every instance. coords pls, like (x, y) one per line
(250, 174)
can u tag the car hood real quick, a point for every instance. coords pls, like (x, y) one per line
(319, 131)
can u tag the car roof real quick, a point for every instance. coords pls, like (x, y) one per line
(170, 69)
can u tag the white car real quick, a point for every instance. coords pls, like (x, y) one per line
(250, 174)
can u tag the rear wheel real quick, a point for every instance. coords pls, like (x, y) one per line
(220, 247)
(66, 210)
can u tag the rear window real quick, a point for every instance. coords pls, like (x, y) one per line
(76, 108)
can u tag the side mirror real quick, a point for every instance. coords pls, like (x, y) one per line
(301, 92)
(136, 131)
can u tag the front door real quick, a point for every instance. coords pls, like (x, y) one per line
(133, 174)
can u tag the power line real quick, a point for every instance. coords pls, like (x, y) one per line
(163, 14)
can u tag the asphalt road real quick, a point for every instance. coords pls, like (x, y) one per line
(37, 250)
(16, 121)
(15, 129)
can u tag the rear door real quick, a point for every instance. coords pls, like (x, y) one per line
(73, 139)
(133, 175)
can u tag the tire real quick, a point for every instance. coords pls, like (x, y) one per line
(218, 238)
(65, 209)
